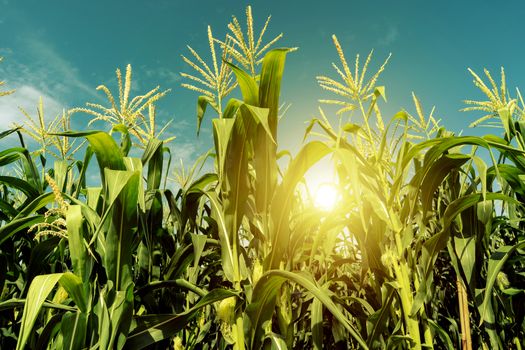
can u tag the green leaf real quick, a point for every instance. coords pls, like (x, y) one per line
(351, 128)
(18, 303)
(465, 248)
(17, 225)
(154, 157)
(16, 183)
(442, 333)
(73, 329)
(260, 310)
(317, 323)
(248, 86)
(80, 259)
(40, 288)
(265, 147)
(222, 130)
(261, 117)
(379, 319)
(75, 288)
(198, 241)
(29, 168)
(125, 140)
(106, 149)
(9, 132)
(270, 84)
(380, 91)
(227, 256)
(154, 328)
(496, 263)
(436, 243)
(436, 173)
(121, 223)
(202, 103)
(310, 154)
(61, 172)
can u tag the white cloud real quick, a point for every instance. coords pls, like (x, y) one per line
(27, 98)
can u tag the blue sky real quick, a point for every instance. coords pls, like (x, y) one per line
(61, 50)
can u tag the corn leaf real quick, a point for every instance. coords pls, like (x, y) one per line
(310, 154)
(40, 288)
(496, 263)
(153, 328)
(264, 298)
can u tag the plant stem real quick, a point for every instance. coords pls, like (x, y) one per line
(466, 340)
(405, 294)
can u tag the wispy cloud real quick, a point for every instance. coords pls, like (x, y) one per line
(391, 35)
(26, 97)
(163, 74)
(54, 71)
(36, 69)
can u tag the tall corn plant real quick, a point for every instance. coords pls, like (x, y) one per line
(392, 182)
(499, 241)
(250, 203)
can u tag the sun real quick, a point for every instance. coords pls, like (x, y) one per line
(326, 197)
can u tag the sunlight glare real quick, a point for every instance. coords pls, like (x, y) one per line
(325, 197)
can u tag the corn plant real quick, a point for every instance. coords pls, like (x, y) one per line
(395, 224)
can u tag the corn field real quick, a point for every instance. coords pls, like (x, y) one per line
(421, 244)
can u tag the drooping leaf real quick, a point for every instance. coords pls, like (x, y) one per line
(261, 308)
(202, 103)
(154, 328)
(310, 154)
(496, 263)
(75, 288)
(249, 88)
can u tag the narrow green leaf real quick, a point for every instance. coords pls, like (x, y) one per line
(436, 243)
(249, 88)
(198, 241)
(202, 103)
(80, 259)
(75, 288)
(496, 263)
(107, 151)
(224, 236)
(122, 189)
(16, 225)
(310, 154)
(436, 173)
(73, 329)
(260, 310)
(38, 291)
(154, 328)
(317, 323)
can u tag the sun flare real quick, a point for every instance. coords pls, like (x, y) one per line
(326, 196)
